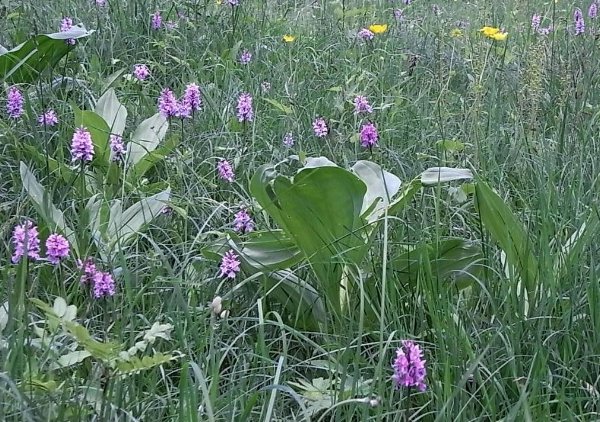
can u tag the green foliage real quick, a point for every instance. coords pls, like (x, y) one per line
(27, 61)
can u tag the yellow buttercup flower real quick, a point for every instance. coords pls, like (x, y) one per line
(378, 28)
(493, 33)
(456, 33)
(488, 31)
(499, 36)
(288, 38)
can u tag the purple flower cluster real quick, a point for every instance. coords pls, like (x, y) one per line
(536, 20)
(398, 14)
(245, 57)
(242, 222)
(101, 3)
(192, 99)
(26, 241)
(288, 140)
(103, 282)
(593, 10)
(14, 104)
(233, 3)
(48, 118)
(409, 366)
(82, 147)
(578, 21)
(366, 34)
(141, 72)
(361, 105)
(368, 135)
(244, 108)
(156, 20)
(65, 25)
(117, 147)
(230, 265)
(320, 127)
(225, 171)
(57, 248)
(170, 106)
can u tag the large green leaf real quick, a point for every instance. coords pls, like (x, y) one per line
(509, 233)
(271, 253)
(454, 260)
(53, 217)
(263, 251)
(123, 225)
(24, 63)
(320, 210)
(112, 111)
(149, 160)
(382, 186)
(100, 132)
(435, 175)
(146, 138)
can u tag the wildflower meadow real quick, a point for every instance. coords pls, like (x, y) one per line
(311, 210)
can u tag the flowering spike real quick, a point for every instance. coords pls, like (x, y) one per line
(82, 147)
(230, 265)
(26, 242)
(244, 108)
(14, 104)
(320, 127)
(57, 248)
(409, 366)
(225, 171)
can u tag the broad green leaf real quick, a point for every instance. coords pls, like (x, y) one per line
(105, 351)
(382, 187)
(263, 251)
(122, 227)
(100, 132)
(452, 260)
(435, 175)
(70, 359)
(509, 233)
(44, 206)
(314, 162)
(135, 364)
(60, 306)
(146, 138)
(271, 253)
(283, 108)
(24, 63)
(112, 111)
(320, 211)
(151, 159)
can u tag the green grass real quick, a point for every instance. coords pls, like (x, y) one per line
(516, 339)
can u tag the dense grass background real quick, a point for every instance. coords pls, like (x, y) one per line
(525, 110)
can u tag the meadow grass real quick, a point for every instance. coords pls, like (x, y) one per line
(517, 339)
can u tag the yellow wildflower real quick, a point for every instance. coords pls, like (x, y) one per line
(499, 36)
(288, 38)
(456, 33)
(219, 2)
(378, 28)
(493, 33)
